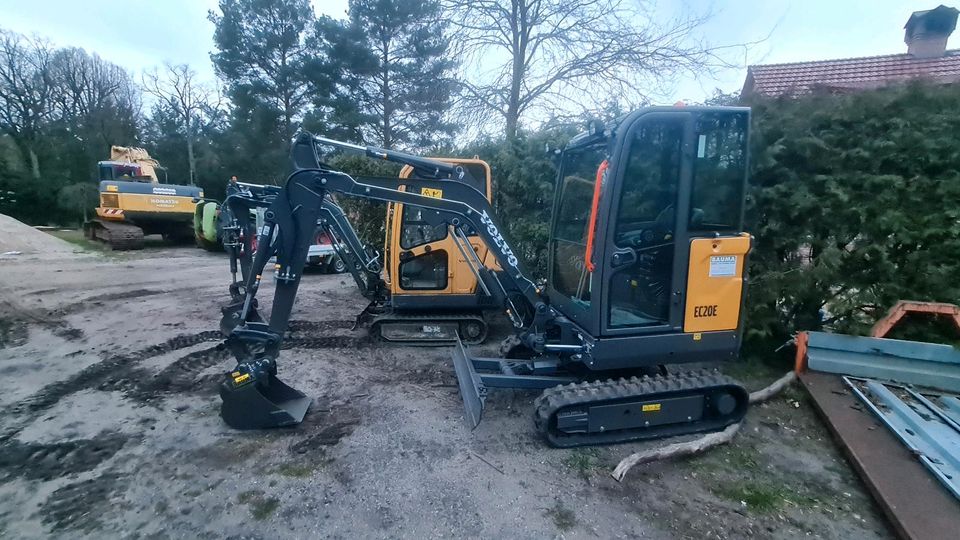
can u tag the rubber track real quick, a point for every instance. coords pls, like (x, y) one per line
(575, 394)
(119, 236)
(439, 317)
(318, 326)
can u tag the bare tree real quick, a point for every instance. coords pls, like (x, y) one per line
(177, 87)
(94, 99)
(553, 55)
(26, 92)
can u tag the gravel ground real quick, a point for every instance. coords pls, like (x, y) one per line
(110, 428)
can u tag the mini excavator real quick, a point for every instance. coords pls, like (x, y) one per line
(425, 292)
(647, 268)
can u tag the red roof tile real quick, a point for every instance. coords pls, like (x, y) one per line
(849, 73)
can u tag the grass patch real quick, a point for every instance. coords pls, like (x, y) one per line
(563, 518)
(732, 457)
(295, 470)
(260, 507)
(760, 497)
(264, 508)
(582, 461)
(764, 497)
(77, 238)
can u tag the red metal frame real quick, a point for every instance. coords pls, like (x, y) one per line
(800, 362)
(594, 206)
(904, 307)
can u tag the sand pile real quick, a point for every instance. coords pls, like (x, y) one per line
(18, 236)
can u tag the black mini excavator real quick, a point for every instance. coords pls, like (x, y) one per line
(647, 266)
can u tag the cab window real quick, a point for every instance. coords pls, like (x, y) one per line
(719, 172)
(646, 217)
(578, 172)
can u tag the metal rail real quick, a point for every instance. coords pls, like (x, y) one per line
(919, 424)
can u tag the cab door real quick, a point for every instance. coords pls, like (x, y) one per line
(646, 247)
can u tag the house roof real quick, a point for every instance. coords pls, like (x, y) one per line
(849, 73)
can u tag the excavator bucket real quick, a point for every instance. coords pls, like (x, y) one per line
(260, 404)
(472, 389)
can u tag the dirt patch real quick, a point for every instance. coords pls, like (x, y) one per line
(563, 518)
(327, 436)
(46, 461)
(109, 373)
(225, 453)
(81, 506)
(12, 333)
(385, 450)
(125, 295)
(261, 506)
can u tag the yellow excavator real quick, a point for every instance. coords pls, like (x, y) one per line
(432, 294)
(423, 291)
(134, 202)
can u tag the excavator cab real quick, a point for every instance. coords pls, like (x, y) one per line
(646, 214)
(433, 296)
(647, 265)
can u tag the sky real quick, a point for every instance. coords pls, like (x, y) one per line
(142, 34)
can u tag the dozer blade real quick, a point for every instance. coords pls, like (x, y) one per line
(472, 389)
(261, 404)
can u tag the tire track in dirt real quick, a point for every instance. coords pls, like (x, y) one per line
(16, 317)
(93, 376)
(37, 461)
(80, 506)
(98, 300)
(122, 372)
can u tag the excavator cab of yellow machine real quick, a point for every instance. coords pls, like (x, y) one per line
(647, 268)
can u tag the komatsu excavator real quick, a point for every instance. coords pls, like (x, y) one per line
(647, 268)
(134, 201)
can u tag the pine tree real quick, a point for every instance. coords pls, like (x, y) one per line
(396, 84)
(262, 57)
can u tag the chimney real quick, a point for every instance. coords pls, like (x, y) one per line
(927, 31)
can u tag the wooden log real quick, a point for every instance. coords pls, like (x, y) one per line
(775, 388)
(704, 443)
(670, 451)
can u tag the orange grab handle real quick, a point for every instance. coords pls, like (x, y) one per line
(591, 231)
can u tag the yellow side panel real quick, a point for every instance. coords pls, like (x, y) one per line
(143, 202)
(715, 283)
